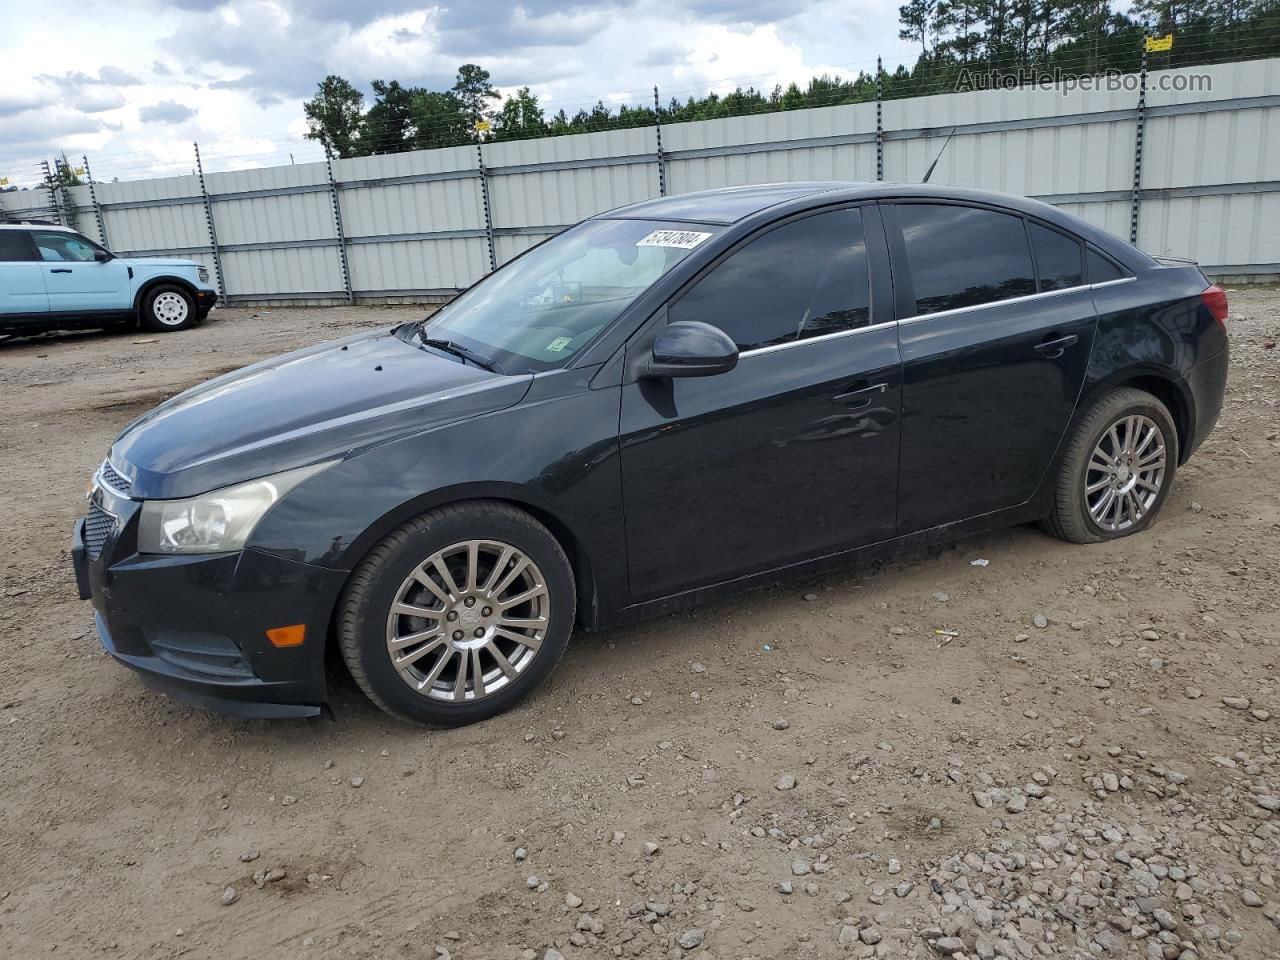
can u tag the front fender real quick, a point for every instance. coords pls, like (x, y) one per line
(145, 284)
(556, 453)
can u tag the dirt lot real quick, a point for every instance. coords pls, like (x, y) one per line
(1074, 789)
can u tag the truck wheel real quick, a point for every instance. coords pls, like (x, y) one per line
(167, 308)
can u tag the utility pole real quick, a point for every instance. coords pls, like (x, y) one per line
(97, 207)
(662, 163)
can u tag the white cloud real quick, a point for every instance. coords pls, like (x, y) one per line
(232, 74)
(166, 111)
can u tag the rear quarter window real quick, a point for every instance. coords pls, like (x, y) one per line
(1103, 268)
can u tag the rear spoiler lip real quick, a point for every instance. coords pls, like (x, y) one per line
(1183, 263)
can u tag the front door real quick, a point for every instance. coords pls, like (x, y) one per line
(75, 281)
(995, 342)
(21, 276)
(794, 453)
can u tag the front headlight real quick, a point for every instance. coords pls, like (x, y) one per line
(215, 522)
(204, 274)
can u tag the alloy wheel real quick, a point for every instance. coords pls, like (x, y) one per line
(468, 621)
(1125, 473)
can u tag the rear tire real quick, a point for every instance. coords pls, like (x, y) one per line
(168, 308)
(1118, 469)
(423, 665)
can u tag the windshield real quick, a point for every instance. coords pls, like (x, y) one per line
(539, 310)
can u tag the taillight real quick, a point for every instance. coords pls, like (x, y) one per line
(1215, 298)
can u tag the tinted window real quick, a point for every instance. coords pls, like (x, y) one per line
(13, 246)
(804, 279)
(1102, 269)
(963, 256)
(1057, 256)
(56, 245)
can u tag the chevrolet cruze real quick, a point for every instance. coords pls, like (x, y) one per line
(668, 401)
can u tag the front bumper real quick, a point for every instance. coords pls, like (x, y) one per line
(205, 301)
(194, 627)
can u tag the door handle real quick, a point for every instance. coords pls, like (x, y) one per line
(1051, 349)
(60, 270)
(860, 397)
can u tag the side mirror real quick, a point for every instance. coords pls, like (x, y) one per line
(102, 256)
(688, 348)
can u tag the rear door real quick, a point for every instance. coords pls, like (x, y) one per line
(997, 324)
(794, 453)
(21, 276)
(75, 281)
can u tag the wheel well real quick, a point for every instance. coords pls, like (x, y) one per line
(583, 576)
(154, 282)
(1168, 394)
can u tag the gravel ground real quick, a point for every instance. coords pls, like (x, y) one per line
(1082, 763)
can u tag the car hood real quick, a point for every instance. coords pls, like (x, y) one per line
(158, 262)
(301, 408)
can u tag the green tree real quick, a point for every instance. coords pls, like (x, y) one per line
(388, 126)
(917, 17)
(65, 173)
(474, 91)
(439, 120)
(957, 38)
(520, 118)
(335, 116)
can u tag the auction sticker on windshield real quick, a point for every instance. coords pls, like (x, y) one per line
(682, 239)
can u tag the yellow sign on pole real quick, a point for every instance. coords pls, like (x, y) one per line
(4, 181)
(1160, 44)
(482, 126)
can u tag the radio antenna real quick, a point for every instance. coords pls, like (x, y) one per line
(928, 173)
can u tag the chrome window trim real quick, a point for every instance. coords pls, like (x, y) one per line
(825, 336)
(1042, 295)
(1111, 283)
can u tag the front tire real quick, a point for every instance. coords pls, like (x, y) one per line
(168, 308)
(1118, 470)
(458, 614)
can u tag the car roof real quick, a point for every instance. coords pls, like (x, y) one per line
(725, 205)
(766, 201)
(36, 226)
(729, 205)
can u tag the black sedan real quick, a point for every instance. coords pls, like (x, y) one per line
(671, 400)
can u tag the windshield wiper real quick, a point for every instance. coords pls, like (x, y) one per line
(448, 346)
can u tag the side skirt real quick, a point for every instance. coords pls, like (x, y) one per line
(1033, 509)
(24, 323)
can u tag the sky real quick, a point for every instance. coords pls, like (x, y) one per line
(133, 83)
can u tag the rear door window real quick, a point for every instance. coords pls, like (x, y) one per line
(964, 256)
(14, 245)
(807, 278)
(1058, 258)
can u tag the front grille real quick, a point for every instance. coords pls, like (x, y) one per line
(97, 525)
(112, 478)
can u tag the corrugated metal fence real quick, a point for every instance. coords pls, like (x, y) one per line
(1195, 172)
